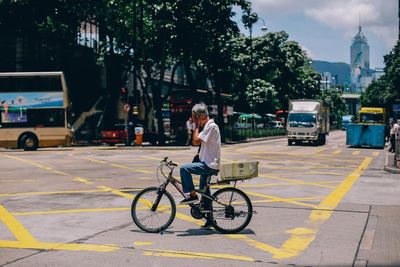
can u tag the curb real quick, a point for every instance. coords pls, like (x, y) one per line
(389, 164)
(391, 169)
(100, 148)
(143, 147)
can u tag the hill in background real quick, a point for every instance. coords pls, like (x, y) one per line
(342, 70)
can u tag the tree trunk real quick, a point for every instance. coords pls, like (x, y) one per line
(190, 79)
(218, 85)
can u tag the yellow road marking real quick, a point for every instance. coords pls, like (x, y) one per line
(268, 165)
(278, 199)
(319, 150)
(60, 172)
(82, 180)
(319, 156)
(50, 193)
(294, 181)
(356, 153)
(302, 237)
(142, 243)
(18, 230)
(274, 184)
(57, 246)
(195, 255)
(96, 160)
(68, 211)
(16, 180)
(47, 168)
(291, 199)
(116, 192)
(336, 152)
(153, 158)
(120, 166)
(307, 164)
(318, 172)
(29, 161)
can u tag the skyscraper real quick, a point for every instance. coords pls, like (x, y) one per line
(359, 62)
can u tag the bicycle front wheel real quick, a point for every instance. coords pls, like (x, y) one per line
(151, 217)
(234, 213)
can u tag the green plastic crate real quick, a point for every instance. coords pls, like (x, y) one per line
(239, 171)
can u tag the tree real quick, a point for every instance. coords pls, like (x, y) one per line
(384, 91)
(337, 106)
(278, 61)
(262, 95)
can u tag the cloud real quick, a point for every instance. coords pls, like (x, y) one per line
(378, 16)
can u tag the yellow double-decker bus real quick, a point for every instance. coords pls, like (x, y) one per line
(33, 110)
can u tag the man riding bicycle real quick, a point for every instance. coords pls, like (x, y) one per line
(209, 155)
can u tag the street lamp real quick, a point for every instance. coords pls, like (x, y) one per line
(264, 29)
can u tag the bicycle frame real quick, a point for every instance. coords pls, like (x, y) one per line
(176, 183)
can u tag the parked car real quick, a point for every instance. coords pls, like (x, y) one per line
(277, 124)
(114, 135)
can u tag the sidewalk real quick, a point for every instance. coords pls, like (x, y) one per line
(389, 164)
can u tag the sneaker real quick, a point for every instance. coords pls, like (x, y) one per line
(207, 225)
(190, 200)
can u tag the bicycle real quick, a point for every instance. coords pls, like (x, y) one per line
(229, 209)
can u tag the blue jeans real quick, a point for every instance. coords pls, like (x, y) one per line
(198, 168)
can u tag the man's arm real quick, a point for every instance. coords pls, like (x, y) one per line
(196, 140)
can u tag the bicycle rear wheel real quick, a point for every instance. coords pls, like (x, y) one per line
(235, 214)
(149, 217)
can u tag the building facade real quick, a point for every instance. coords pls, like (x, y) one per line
(359, 62)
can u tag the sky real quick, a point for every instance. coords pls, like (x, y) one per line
(325, 28)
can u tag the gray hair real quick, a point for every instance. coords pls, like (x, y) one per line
(200, 109)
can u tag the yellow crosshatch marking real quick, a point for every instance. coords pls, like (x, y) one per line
(375, 154)
(299, 240)
(135, 169)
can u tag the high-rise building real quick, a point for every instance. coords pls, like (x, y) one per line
(359, 62)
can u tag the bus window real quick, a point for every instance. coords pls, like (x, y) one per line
(33, 108)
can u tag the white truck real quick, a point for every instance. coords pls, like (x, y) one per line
(308, 120)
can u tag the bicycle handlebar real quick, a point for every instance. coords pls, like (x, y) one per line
(168, 163)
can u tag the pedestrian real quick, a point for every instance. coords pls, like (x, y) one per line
(209, 155)
(395, 133)
(190, 126)
(392, 137)
(5, 110)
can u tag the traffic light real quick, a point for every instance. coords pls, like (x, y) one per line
(124, 95)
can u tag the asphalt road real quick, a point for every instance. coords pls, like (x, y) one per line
(71, 207)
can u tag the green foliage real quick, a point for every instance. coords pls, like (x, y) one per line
(277, 61)
(243, 134)
(262, 95)
(337, 106)
(384, 91)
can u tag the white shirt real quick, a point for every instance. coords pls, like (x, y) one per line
(396, 128)
(210, 152)
(190, 126)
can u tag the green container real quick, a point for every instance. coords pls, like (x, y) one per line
(239, 171)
